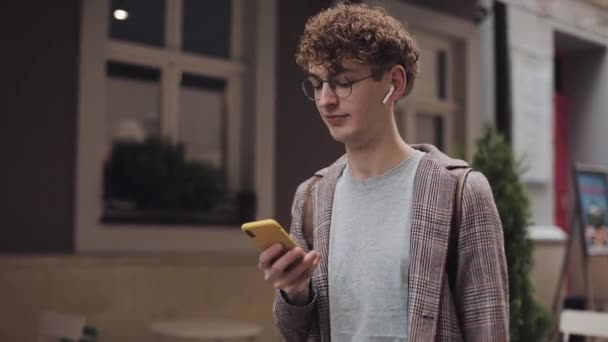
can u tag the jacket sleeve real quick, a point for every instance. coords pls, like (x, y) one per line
(295, 323)
(482, 288)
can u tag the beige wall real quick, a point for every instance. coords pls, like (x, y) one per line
(122, 295)
(598, 277)
(548, 257)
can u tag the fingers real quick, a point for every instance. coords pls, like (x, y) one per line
(291, 257)
(288, 260)
(268, 256)
(299, 268)
(300, 272)
(288, 269)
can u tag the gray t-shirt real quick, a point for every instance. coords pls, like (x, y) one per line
(369, 255)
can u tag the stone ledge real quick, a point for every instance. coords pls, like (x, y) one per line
(547, 233)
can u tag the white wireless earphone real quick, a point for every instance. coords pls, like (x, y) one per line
(388, 95)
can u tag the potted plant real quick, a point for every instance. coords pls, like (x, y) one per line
(529, 321)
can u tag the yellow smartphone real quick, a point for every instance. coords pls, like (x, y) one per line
(266, 233)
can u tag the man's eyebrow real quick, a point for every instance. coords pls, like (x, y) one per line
(331, 74)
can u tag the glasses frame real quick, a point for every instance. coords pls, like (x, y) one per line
(332, 85)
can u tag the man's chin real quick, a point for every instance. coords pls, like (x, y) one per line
(341, 138)
(338, 135)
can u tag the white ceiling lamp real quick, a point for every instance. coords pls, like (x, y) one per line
(120, 11)
(121, 14)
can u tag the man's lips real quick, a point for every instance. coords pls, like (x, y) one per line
(335, 120)
(335, 116)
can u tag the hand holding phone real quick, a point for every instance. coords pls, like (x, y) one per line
(285, 265)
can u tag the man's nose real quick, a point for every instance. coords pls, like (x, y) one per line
(327, 96)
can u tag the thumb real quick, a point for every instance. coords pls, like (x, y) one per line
(314, 255)
(316, 259)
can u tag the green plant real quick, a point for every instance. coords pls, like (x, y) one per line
(528, 320)
(154, 175)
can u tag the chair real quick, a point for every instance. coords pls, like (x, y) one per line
(586, 323)
(54, 326)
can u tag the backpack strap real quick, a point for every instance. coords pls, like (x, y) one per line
(452, 255)
(307, 220)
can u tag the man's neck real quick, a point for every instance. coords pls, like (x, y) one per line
(377, 156)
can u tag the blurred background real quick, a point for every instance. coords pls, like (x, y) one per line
(138, 134)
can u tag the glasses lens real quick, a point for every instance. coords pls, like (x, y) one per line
(341, 86)
(311, 88)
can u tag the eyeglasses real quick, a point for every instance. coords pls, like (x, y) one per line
(341, 86)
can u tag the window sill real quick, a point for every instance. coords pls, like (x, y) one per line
(139, 218)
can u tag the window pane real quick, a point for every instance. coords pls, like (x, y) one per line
(202, 118)
(425, 85)
(150, 179)
(145, 22)
(442, 74)
(133, 107)
(429, 129)
(207, 27)
(133, 102)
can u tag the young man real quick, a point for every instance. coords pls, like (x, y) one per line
(375, 227)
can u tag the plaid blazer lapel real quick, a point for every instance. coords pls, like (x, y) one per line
(323, 197)
(431, 216)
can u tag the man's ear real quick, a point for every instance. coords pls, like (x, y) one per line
(399, 79)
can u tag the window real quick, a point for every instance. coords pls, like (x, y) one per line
(133, 94)
(148, 88)
(172, 101)
(429, 128)
(432, 112)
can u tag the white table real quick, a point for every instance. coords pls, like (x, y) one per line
(206, 330)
